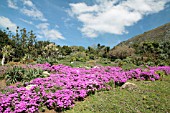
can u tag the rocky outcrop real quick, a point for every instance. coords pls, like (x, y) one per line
(129, 86)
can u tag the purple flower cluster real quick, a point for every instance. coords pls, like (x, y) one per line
(19, 100)
(45, 66)
(61, 89)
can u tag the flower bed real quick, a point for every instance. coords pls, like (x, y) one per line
(61, 89)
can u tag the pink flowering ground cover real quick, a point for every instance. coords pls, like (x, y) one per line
(66, 85)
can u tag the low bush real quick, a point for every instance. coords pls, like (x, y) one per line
(14, 75)
(22, 74)
(45, 60)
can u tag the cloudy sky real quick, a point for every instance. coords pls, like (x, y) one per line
(84, 22)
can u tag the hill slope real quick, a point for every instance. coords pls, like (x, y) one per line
(158, 34)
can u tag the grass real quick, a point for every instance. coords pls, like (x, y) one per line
(149, 97)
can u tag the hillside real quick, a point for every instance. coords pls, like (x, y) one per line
(158, 34)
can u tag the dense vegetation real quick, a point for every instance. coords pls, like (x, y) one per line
(23, 47)
(27, 49)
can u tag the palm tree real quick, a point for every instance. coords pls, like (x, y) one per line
(6, 52)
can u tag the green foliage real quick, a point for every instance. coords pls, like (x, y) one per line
(28, 58)
(77, 49)
(6, 90)
(150, 53)
(73, 58)
(4, 39)
(162, 62)
(32, 73)
(42, 60)
(128, 66)
(153, 45)
(163, 56)
(20, 74)
(104, 61)
(50, 50)
(127, 60)
(111, 84)
(150, 48)
(150, 63)
(162, 74)
(65, 50)
(156, 53)
(79, 56)
(14, 75)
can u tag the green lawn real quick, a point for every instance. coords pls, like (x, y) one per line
(149, 97)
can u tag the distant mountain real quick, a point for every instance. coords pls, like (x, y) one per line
(158, 34)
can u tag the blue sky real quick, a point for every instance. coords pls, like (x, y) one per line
(84, 22)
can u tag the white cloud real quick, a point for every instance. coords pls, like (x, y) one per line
(113, 16)
(6, 22)
(48, 33)
(28, 3)
(43, 26)
(12, 4)
(26, 21)
(53, 34)
(83, 8)
(31, 10)
(35, 13)
(28, 8)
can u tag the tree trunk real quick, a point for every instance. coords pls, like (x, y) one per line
(3, 60)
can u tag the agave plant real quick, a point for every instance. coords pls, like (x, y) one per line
(14, 75)
(32, 73)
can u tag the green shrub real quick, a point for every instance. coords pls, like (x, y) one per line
(48, 60)
(15, 59)
(118, 61)
(72, 59)
(127, 60)
(150, 63)
(128, 66)
(138, 63)
(30, 74)
(162, 74)
(14, 75)
(20, 74)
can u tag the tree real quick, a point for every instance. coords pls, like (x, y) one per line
(121, 52)
(66, 50)
(6, 52)
(50, 50)
(40, 45)
(4, 39)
